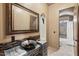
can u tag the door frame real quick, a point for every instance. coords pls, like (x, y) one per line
(76, 15)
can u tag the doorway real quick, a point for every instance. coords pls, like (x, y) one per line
(66, 31)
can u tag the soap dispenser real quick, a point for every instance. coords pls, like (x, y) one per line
(12, 38)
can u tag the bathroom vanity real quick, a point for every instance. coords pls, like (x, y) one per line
(21, 20)
(14, 49)
(19, 51)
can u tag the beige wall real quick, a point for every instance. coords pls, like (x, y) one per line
(53, 21)
(39, 8)
(1, 22)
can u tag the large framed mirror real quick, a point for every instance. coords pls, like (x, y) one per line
(21, 19)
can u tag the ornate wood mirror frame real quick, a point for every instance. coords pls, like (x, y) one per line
(9, 30)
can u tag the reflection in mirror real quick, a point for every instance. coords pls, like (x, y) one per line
(23, 20)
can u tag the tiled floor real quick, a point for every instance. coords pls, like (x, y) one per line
(64, 50)
(51, 50)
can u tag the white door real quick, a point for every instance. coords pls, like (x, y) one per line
(70, 33)
(69, 39)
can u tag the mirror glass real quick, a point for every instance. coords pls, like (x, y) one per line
(23, 20)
